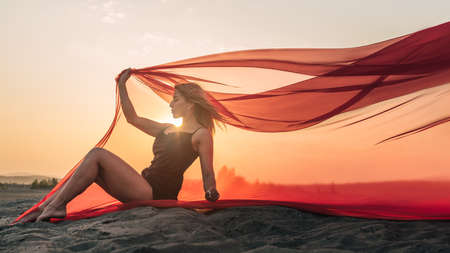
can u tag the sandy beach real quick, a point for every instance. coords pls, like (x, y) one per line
(238, 229)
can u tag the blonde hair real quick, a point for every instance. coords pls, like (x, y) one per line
(204, 112)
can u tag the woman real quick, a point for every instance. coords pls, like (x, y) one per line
(175, 150)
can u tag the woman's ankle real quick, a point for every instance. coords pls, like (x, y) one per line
(56, 205)
(46, 202)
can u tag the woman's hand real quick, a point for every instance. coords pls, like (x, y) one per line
(124, 76)
(212, 195)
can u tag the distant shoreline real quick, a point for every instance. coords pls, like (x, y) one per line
(24, 179)
(21, 187)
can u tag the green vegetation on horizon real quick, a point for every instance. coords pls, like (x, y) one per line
(44, 183)
(22, 179)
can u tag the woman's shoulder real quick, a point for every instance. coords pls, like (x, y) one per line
(203, 137)
(202, 134)
(200, 129)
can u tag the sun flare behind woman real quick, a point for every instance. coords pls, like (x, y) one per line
(169, 119)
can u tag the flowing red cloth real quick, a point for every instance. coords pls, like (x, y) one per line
(282, 90)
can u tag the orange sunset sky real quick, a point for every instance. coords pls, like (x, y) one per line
(60, 59)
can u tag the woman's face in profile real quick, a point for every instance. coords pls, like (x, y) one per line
(179, 105)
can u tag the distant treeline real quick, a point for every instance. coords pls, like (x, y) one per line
(44, 183)
(5, 186)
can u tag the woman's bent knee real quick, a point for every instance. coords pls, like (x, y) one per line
(95, 150)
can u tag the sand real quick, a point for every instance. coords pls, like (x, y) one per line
(238, 229)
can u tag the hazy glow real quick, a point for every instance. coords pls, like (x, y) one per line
(177, 122)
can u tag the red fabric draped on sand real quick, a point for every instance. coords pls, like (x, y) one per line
(334, 81)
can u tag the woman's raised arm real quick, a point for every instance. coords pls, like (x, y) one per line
(127, 107)
(148, 126)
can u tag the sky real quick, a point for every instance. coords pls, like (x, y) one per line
(60, 59)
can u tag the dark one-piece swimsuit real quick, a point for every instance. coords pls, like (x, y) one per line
(173, 154)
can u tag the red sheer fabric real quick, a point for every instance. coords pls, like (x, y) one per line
(282, 90)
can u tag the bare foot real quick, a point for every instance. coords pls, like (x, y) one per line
(52, 211)
(30, 217)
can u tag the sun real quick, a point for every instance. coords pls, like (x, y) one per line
(177, 122)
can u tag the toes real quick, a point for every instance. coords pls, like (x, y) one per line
(30, 217)
(47, 215)
(42, 218)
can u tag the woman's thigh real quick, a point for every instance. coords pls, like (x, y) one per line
(119, 179)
